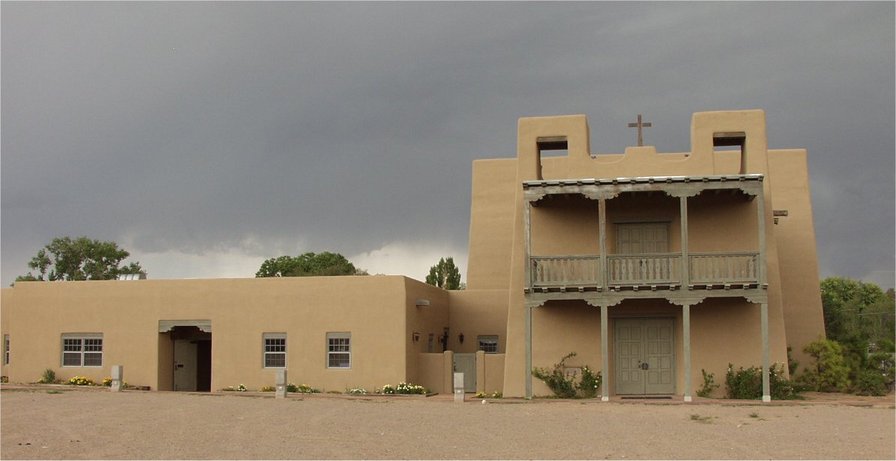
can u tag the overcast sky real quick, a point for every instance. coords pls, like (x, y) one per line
(207, 137)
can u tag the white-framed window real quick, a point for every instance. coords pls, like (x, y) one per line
(339, 350)
(82, 350)
(274, 350)
(6, 349)
(488, 344)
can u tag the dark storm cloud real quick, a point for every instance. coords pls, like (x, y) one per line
(196, 127)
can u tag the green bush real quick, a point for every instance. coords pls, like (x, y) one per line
(747, 383)
(829, 371)
(48, 377)
(709, 384)
(590, 383)
(564, 385)
(556, 378)
(885, 363)
(743, 383)
(870, 382)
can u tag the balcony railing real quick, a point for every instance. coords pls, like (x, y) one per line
(707, 268)
(644, 270)
(550, 271)
(648, 269)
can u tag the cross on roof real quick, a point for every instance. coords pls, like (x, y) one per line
(640, 125)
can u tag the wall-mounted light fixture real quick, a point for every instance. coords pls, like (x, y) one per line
(422, 302)
(460, 338)
(416, 336)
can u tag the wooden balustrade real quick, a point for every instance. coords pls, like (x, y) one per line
(708, 268)
(644, 269)
(565, 270)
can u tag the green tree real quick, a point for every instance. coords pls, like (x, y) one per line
(861, 318)
(858, 313)
(308, 264)
(79, 259)
(444, 275)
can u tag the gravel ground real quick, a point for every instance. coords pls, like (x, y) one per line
(68, 423)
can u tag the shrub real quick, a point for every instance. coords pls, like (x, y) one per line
(305, 389)
(590, 383)
(404, 388)
(870, 382)
(828, 372)
(885, 362)
(556, 378)
(48, 376)
(709, 384)
(292, 388)
(493, 395)
(747, 383)
(743, 383)
(356, 391)
(268, 389)
(80, 381)
(563, 384)
(107, 382)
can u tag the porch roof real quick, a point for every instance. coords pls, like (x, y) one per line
(640, 180)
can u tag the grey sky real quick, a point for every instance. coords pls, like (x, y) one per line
(206, 137)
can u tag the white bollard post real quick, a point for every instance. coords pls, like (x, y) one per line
(459, 387)
(280, 385)
(117, 377)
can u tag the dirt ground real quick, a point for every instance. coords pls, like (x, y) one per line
(73, 423)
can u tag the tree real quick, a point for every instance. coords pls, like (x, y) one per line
(79, 259)
(860, 318)
(857, 312)
(308, 264)
(444, 275)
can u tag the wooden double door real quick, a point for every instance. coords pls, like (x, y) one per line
(645, 359)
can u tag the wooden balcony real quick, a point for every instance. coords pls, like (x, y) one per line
(655, 270)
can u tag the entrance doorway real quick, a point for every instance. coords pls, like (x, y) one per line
(645, 362)
(466, 364)
(187, 358)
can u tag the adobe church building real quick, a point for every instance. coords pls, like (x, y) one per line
(650, 266)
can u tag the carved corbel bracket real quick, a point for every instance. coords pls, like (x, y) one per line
(690, 301)
(533, 196)
(682, 190)
(758, 298)
(604, 301)
(533, 304)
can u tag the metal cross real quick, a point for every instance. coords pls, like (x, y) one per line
(639, 124)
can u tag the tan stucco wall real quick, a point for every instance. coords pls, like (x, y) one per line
(491, 211)
(798, 260)
(475, 313)
(373, 309)
(425, 320)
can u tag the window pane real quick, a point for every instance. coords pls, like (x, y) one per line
(71, 345)
(275, 360)
(488, 344)
(339, 345)
(339, 360)
(93, 359)
(94, 345)
(275, 345)
(71, 359)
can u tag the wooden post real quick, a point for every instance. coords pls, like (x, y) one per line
(604, 354)
(686, 343)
